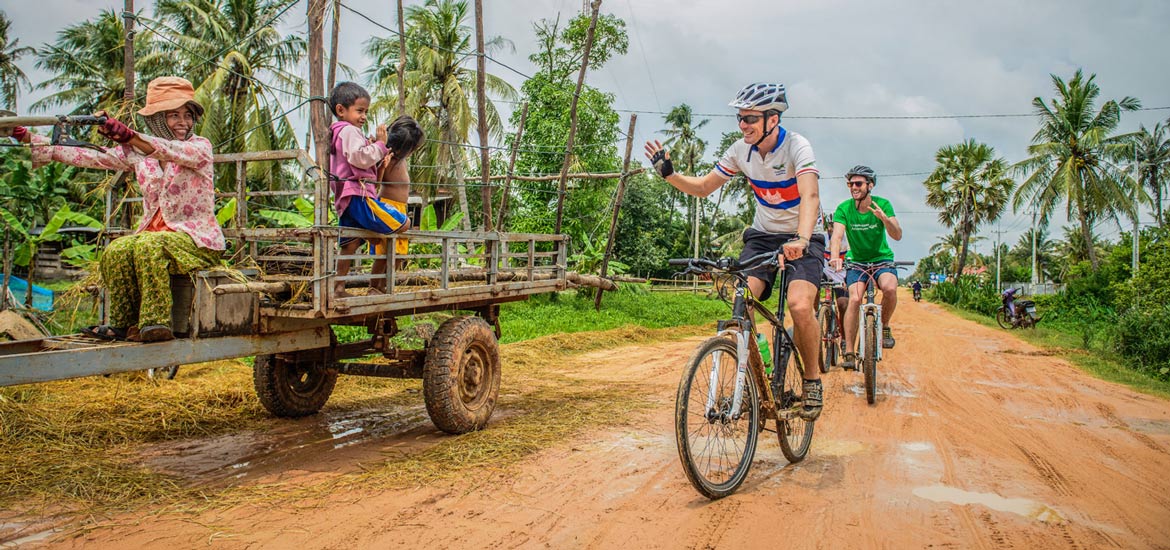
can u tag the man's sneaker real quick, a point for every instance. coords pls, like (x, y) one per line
(813, 400)
(887, 338)
(850, 361)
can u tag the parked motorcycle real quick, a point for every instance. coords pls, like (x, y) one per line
(1016, 313)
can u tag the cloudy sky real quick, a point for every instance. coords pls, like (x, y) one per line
(839, 58)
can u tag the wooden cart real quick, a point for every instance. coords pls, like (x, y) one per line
(286, 319)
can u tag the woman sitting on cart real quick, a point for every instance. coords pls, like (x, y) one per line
(178, 233)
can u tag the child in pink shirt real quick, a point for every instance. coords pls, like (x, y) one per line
(354, 166)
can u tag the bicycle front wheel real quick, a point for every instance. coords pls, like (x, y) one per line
(869, 363)
(825, 315)
(795, 433)
(716, 440)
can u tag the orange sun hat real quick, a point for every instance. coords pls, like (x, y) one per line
(167, 93)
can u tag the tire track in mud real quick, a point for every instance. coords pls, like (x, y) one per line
(1048, 473)
(1110, 415)
(714, 525)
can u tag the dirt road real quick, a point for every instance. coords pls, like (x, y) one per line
(977, 440)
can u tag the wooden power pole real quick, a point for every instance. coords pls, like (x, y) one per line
(481, 108)
(596, 6)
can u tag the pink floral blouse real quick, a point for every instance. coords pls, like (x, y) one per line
(181, 189)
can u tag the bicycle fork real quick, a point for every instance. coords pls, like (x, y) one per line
(741, 371)
(876, 309)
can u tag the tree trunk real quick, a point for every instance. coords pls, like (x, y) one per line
(32, 268)
(1157, 199)
(963, 255)
(460, 187)
(1087, 233)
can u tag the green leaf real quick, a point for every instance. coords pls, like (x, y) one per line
(304, 206)
(287, 219)
(81, 255)
(23, 254)
(428, 223)
(450, 224)
(227, 213)
(13, 223)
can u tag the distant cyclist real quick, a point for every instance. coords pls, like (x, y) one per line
(780, 167)
(866, 220)
(917, 288)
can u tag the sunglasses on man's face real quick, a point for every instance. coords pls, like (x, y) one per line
(858, 183)
(750, 119)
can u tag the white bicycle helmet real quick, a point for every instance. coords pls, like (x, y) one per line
(761, 96)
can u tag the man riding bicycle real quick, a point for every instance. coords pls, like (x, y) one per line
(781, 169)
(866, 219)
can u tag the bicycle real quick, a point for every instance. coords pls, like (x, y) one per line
(719, 409)
(832, 340)
(869, 347)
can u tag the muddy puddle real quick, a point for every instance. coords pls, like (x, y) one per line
(310, 443)
(1019, 506)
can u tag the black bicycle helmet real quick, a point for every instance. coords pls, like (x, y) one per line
(863, 171)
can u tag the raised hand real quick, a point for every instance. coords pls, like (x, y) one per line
(660, 158)
(116, 131)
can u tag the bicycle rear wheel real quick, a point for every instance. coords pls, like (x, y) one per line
(794, 432)
(825, 314)
(869, 363)
(715, 443)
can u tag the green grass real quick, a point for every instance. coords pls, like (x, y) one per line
(1067, 343)
(569, 312)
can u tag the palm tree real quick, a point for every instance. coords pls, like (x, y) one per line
(12, 78)
(1153, 158)
(1045, 248)
(1073, 157)
(242, 65)
(87, 61)
(951, 243)
(1073, 248)
(970, 186)
(440, 87)
(686, 148)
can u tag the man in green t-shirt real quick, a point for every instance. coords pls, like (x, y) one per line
(866, 219)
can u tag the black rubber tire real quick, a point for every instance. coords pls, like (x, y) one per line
(825, 318)
(795, 434)
(869, 362)
(690, 417)
(163, 373)
(1001, 318)
(292, 390)
(461, 375)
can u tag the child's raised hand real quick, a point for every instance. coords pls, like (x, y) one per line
(380, 134)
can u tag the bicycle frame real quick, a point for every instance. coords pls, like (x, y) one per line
(742, 324)
(870, 305)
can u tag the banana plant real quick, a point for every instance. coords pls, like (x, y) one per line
(25, 253)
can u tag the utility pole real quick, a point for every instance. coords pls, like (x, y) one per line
(1137, 168)
(1035, 274)
(998, 236)
(401, 63)
(128, 53)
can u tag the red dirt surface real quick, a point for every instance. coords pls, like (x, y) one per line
(977, 440)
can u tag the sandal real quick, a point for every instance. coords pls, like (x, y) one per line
(155, 333)
(105, 332)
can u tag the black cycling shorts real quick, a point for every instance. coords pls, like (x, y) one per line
(807, 268)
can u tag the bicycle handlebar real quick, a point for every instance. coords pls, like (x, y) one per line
(730, 265)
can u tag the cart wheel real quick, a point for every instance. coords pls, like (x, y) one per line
(163, 373)
(289, 389)
(461, 375)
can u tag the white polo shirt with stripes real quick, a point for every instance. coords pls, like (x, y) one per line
(772, 176)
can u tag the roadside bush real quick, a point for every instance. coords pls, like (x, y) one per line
(968, 293)
(1144, 336)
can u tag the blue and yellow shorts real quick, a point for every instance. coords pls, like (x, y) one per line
(379, 215)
